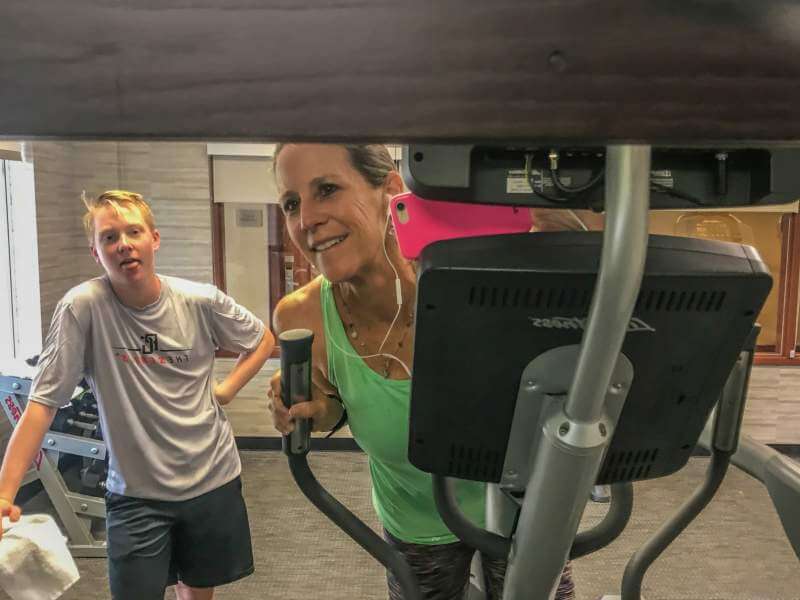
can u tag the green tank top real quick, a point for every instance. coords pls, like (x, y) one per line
(378, 413)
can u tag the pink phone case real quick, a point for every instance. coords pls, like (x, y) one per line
(419, 222)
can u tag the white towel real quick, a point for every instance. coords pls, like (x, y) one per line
(35, 563)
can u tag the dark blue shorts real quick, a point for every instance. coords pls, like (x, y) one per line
(203, 542)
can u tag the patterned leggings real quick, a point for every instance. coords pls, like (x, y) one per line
(443, 571)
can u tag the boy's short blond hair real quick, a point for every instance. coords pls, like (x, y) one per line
(115, 199)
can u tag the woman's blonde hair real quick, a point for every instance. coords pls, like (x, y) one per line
(373, 161)
(115, 199)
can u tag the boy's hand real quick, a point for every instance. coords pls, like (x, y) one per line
(8, 509)
(221, 394)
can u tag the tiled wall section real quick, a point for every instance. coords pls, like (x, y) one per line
(173, 176)
(772, 414)
(61, 171)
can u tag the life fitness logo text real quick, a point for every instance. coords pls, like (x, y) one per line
(635, 323)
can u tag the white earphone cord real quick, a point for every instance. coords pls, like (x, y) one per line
(399, 297)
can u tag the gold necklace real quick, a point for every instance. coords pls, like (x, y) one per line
(353, 333)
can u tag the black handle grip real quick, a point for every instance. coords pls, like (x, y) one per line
(296, 384)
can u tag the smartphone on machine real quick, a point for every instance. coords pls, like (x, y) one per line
(419, 222)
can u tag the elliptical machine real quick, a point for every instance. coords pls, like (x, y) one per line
(609, 354)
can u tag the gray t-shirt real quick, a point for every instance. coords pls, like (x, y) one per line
(152, 372)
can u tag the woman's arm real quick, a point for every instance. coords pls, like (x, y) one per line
(22, 449)
(301, 309)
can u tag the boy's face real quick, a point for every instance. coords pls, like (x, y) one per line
(124, 245)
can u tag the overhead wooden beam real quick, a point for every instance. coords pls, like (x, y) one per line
(391, 70)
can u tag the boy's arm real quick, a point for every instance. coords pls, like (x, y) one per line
(325, 410)
(22, 448)
(60, 367)
(246, 367)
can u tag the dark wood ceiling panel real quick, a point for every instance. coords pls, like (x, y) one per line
(420, 70)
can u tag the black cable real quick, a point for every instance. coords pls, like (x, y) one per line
(656, 187)
(722, 173)
(542, 195)
(578, 188)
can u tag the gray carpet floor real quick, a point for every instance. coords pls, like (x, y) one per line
(735, 550)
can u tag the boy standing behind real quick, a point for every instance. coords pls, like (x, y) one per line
(146, 343)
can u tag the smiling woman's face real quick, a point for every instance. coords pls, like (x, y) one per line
(333, 214)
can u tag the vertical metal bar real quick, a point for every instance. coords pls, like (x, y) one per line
(787, 311)
(621, 269)
(7, 266)
(501, 511)
(570, 448)
(57, 491)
